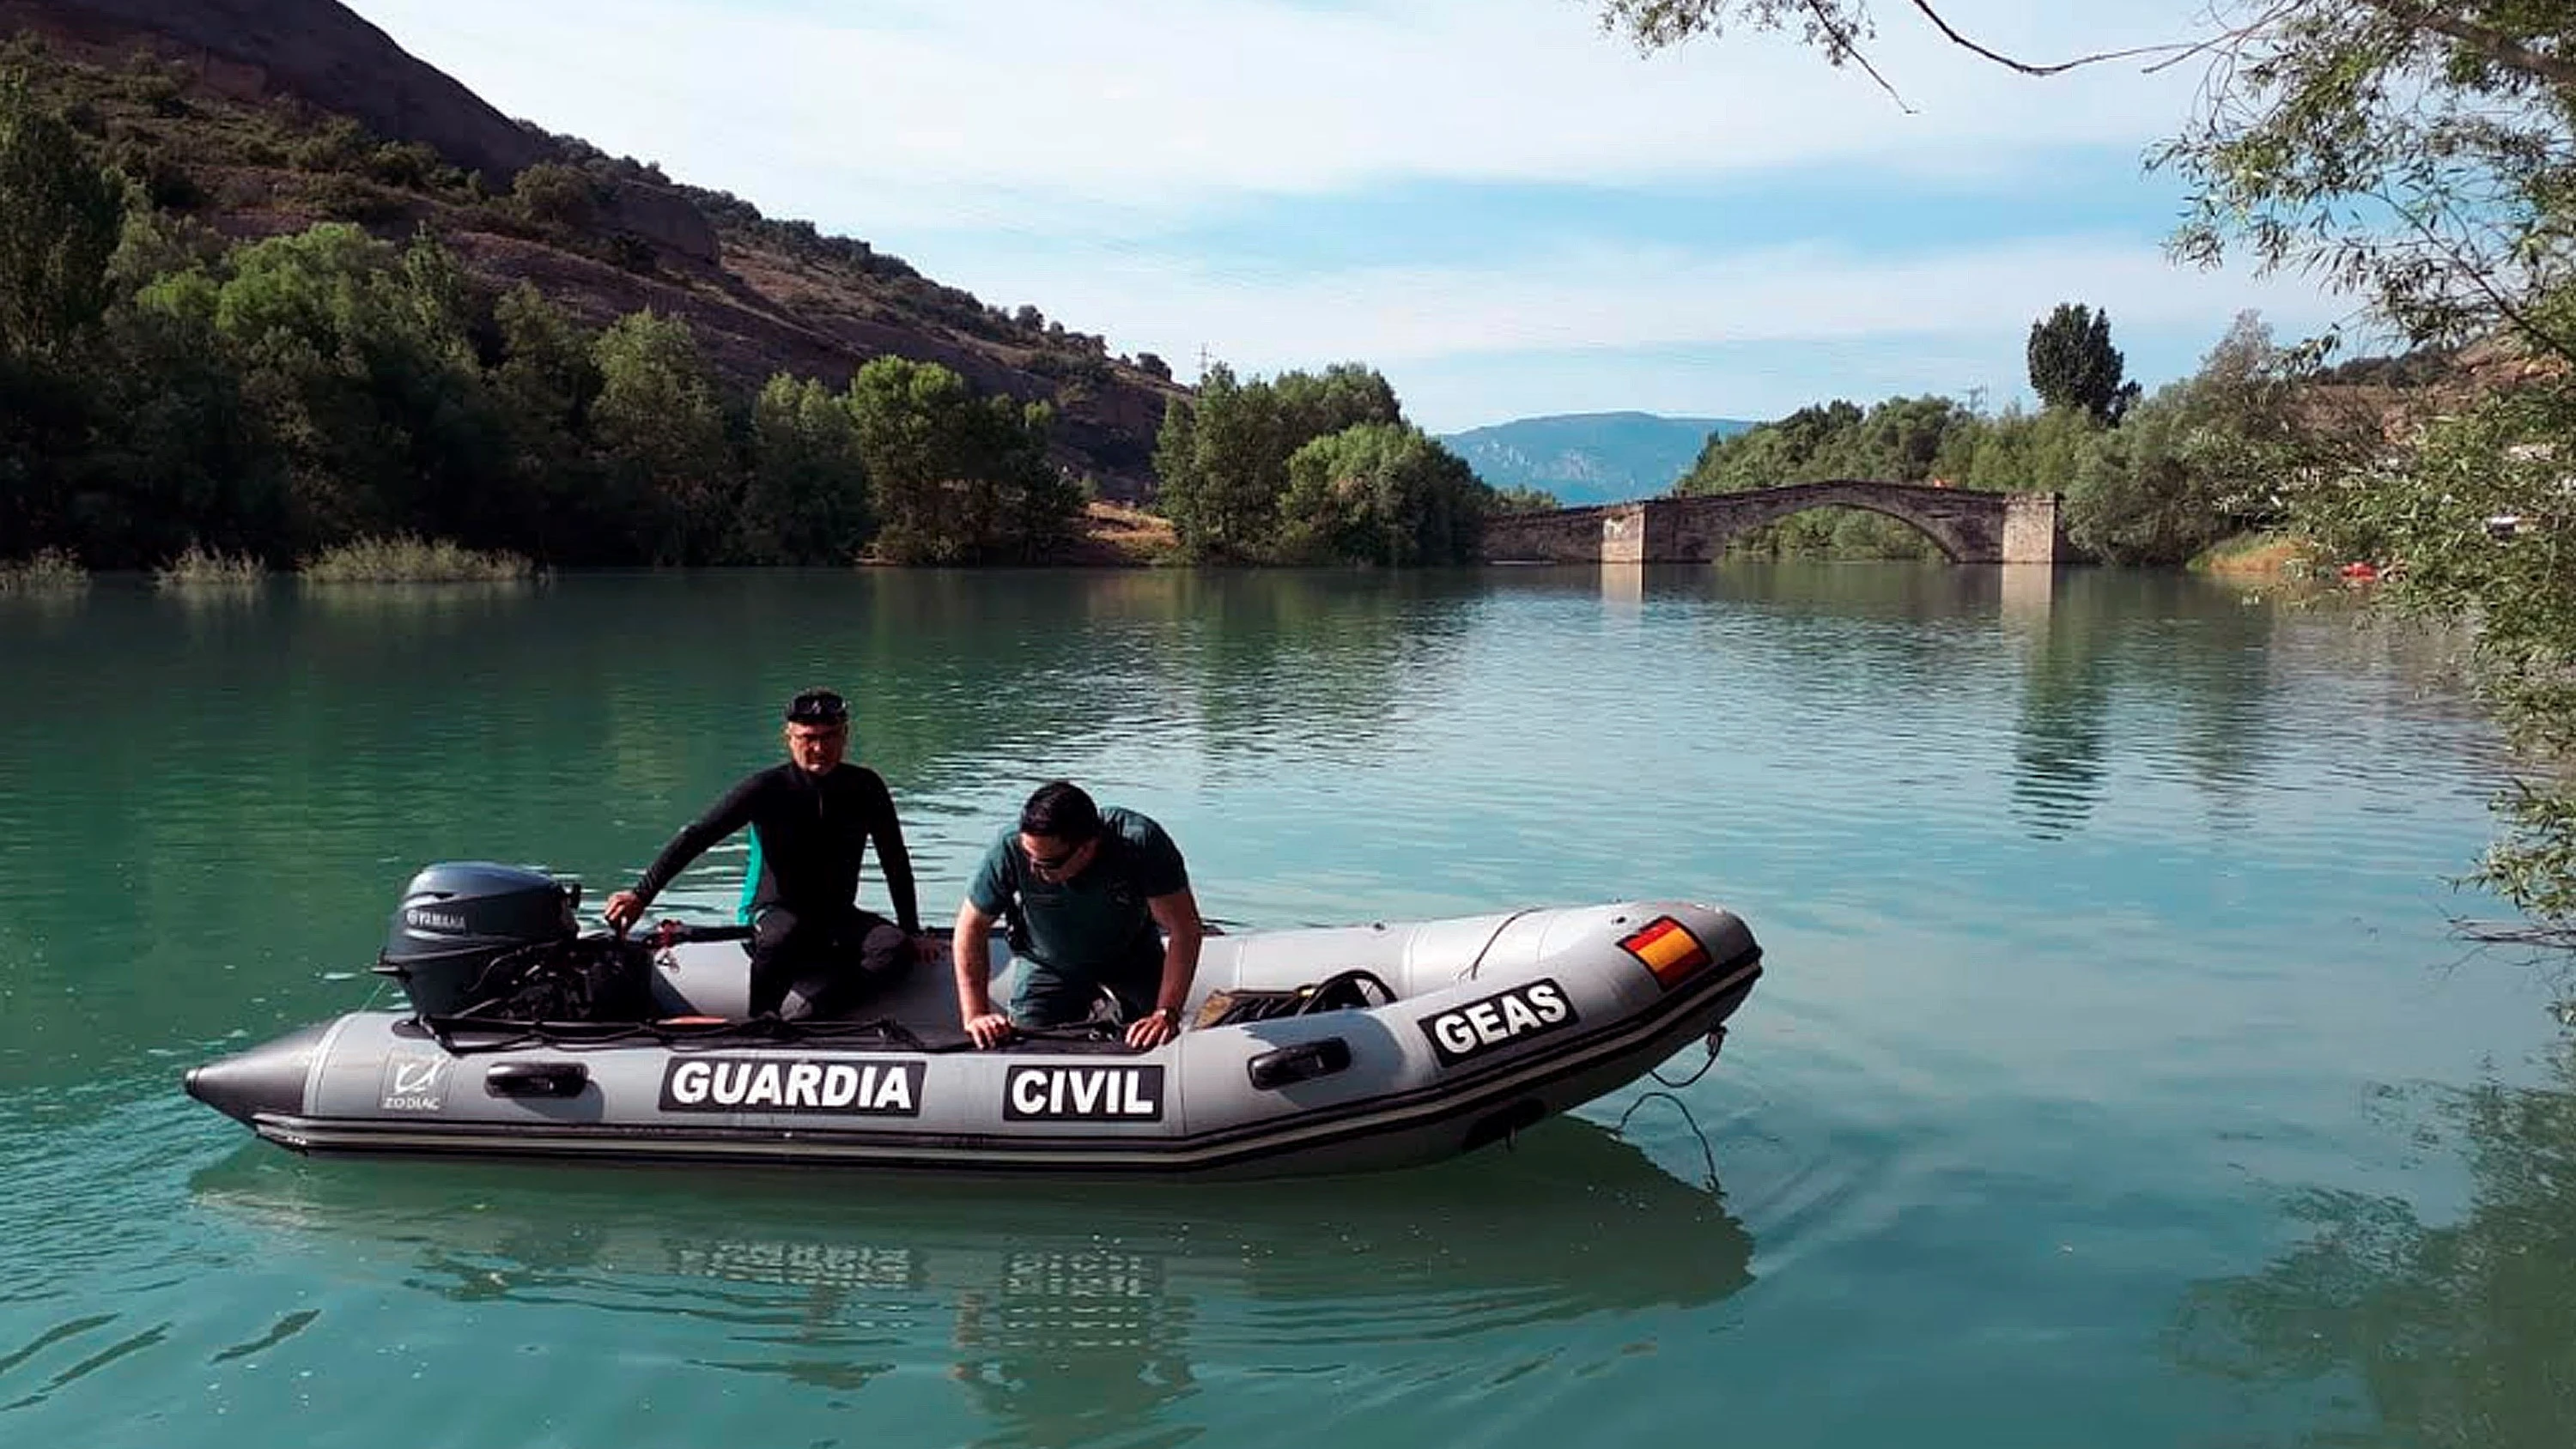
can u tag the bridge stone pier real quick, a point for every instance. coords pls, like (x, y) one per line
(1968, 527)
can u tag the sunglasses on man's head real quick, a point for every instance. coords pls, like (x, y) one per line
(818, 708)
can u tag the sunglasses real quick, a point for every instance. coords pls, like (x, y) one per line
(818, 708)
(1050, 864)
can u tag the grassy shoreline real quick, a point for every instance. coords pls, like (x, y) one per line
(1110, 536)
(50, 571)
(203, 568)
(407, 559)
(2260, 555)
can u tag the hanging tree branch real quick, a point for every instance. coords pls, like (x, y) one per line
(1844, 43)
(2475, 273)
(2495, 45)
(2025, 67)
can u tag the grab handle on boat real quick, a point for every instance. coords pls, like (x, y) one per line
(1303, 1062)
(535, 1079)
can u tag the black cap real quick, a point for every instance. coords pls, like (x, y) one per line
(818, 707)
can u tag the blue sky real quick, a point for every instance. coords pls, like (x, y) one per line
(1502, 208)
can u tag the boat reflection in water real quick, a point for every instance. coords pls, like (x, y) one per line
(1073, 1310)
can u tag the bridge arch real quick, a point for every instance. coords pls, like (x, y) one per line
(1968, 527)
(1960, 534)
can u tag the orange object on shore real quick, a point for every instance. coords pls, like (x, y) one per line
(2361, 571)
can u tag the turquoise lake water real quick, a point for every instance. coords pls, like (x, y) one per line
(2117, 1076)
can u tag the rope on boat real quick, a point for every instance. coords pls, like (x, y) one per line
(1707, 1154)
(571, 1036)
(1716, 1039)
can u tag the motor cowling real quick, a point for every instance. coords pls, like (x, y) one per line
(459, 920)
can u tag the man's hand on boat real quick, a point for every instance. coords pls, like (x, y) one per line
(1153, 1029)
(989, 1029)
(623, 910)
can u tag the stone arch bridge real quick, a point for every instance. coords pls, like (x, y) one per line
(1968, 527)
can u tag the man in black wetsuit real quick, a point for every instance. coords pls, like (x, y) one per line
(812, 948)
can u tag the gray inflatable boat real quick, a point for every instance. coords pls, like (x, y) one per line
(1306, 1051)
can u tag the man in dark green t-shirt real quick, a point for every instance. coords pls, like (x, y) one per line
(1088, 887)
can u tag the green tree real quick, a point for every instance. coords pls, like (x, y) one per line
(2474, 522)
(807, 498)
(957, 478)
(1520, 499)
(59, 223)
(544, 385)
(2416, 153)
(556, 197)
(48, 418)
(2019, 452)
(1383, 493)
(1222, 459)
(356, 359)
(1903, 437)
(2422, 156)
(189, 461)
(1176, 454)
(1820, 440)
(659, 424)
(2073, 364)
(2200, 460)
(1343, 395)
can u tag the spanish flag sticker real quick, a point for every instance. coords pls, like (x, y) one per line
(1668, 949)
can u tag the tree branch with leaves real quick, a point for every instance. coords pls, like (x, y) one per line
(2420, 157)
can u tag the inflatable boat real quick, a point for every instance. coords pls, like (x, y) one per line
(1310, 1050)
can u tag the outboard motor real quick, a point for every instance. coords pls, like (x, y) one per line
(457, 922)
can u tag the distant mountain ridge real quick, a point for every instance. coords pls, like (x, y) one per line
(1587, 458)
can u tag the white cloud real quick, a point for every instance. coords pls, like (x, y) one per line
(1052, 152)
(905, 111)
(1601, 300)
(1631, 297)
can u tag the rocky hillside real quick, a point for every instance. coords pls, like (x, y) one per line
(263, 116)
